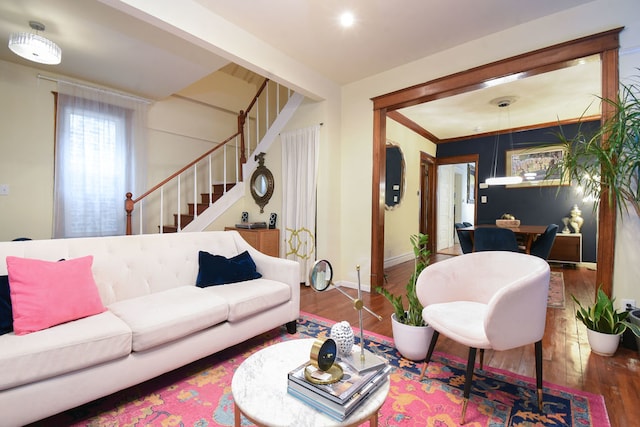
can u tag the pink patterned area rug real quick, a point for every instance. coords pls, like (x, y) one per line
(199, 394)
(556, 290)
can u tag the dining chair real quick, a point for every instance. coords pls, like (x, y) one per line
(464, 237)
(494, 239)
(486, 300)
(541, 247)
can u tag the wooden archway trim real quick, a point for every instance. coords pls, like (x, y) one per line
(605, 44)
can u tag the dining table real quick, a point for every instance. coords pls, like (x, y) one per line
(528, 233)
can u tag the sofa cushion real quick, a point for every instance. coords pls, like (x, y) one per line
(254, 296)
(169, 315)
(6, 316)
(64, 348)
(45, 293)
(219, 270)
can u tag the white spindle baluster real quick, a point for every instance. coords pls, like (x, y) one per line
(179, 222)
(210, 182)
(161, 209)
(195, 191)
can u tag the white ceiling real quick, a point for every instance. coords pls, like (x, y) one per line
(107, 47)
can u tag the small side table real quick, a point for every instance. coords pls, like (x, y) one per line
(259, 389)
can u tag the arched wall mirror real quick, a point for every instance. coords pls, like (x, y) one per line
(394, 179)
(261, 183)
(604, 45)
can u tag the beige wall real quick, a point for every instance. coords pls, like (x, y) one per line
(26, 152)
(404, 220)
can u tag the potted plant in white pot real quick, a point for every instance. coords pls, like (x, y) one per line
(605, 325)
(410, 334)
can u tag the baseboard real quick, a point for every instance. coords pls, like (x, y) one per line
(399, 259)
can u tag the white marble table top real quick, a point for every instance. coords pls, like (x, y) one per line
(259, 388)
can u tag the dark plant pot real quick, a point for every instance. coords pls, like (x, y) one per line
(635, 319)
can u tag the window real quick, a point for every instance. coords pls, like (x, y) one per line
(93, 169)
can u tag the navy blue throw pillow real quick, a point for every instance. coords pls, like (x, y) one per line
(6, 314)
(219, 270)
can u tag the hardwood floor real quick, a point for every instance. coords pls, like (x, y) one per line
(568, 360)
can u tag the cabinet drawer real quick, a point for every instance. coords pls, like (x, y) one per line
(567, 248)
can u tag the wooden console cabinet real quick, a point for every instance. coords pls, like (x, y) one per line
(567, 248)
(266, 240)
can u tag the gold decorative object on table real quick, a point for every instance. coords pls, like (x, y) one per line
(321, 368)
(508, 221)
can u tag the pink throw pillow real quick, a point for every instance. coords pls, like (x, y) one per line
(45, 293)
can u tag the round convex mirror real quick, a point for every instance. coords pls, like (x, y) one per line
(320, 275)
(260, 185)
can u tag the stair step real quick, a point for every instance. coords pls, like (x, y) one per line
(201, 207)
(169, 229)
(216, 192)
(185, 219)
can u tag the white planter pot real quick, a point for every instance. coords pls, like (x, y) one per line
(603, 344)
(412, 342)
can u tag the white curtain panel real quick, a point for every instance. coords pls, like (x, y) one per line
(299, 177)
(100, 155)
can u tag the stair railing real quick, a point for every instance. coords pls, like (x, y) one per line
(253, 123)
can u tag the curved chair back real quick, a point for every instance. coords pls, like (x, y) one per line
(510, 285)
(494, 239)
(541, 247)
(464, 237)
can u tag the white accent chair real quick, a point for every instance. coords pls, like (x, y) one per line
(486, 300)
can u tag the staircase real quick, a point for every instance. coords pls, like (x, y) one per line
(184, 184)
(217, 192)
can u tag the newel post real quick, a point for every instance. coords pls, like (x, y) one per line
(128, 207)
(243, 157)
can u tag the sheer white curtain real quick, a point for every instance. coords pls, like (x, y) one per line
(299, 177)
(100, 153)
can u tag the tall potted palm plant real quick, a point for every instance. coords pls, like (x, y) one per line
(410, 334)
(607, 161)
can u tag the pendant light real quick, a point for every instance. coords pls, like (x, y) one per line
(34, 47)
(495, 179)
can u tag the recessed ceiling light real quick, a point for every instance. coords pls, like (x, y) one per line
(347, 19)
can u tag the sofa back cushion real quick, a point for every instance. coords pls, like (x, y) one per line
(130, 266)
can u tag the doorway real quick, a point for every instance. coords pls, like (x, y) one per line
(532, 63)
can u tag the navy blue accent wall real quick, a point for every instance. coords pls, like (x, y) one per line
(531, 205)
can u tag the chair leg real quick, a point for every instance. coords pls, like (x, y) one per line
(432, 345)
(471, 360)
(538, 346)
(481, 358)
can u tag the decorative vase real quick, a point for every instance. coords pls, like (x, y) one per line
(576, 219)
(603, 344)
(412, 342)
(342, 334)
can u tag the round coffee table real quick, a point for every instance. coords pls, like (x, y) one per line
(259, 389)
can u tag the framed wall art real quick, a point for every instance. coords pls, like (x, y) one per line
(532, 164)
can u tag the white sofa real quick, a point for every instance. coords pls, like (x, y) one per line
(156, 319)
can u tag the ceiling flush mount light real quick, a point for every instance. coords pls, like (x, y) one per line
(501, 180)
(347, 19)
(34, 47)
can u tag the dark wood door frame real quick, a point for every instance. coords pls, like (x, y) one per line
(428, 199)
(605, 44)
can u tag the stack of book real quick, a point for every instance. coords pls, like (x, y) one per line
(341, 398)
